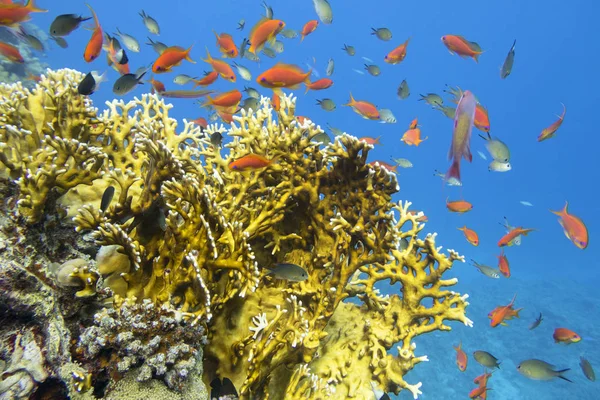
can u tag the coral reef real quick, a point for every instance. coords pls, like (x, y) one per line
(178, 263)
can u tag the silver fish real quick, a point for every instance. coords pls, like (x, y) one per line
(150, 23)
(251, 56)
(31, 40)
(536, 323)
(129, 41)
(540, 370)
(183, 79)
(526, 203)
(508, 62)
(382, 33)
(243, 71)
(432, 99)
(497, 148)
(268, 10)
(587, 369)
(330, 67)
(289, 33)
(367, 59)
(252, 92)
(358, 71)
(481, 154)
(278, 46)
(326, 104)
(373, 69)
(387, 116)
(335, 131)
(243, 46)
(324, 11)
(448, 111)
(350, 50)
(403, 244)
(250, 103)
(485, 359)
(157, 46)
(451, 181)
(290, 272)
(497, 166)
(403, 162)
(322, 137)
(486, 270)
(267, 51)
(403, 90)
(241, 24)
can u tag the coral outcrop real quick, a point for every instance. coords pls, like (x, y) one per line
(179, 260)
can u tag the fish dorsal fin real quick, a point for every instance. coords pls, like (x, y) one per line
(257, 25)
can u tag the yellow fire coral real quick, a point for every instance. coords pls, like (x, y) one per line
(200, 238)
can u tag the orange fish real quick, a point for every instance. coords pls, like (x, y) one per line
(157, 86)
(171, 57)
(566, 336)
(201, 122)
(510, 314)
(470, 235)
(226, 100)
(94, 46)
(550, 131)
(12, 14)
(226, 45)
(308, 28)
(221, 67)
(209, 79)
(283, 76)
(250, 162)
(503, 265)
(461, 358)
(459, 206)
(226, 114)
(363, 108)
(422, 218)
(301, 120)
(573, 227)
(383, 164)
(11, 52)
(512, 234)
(459, 45)
(482, 119)
(276, 102)
(482, 379)
(111, 53)
(397, 55)
(320, 84)
(412, 137)
(264, 31)
(499, 317)
(479, 393)
(370, 140)
(413, 123)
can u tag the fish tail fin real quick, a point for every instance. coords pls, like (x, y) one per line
(517, 311)
(307, 86)
(561, 372)
(208, 103)
(187, 54)
(31, 7)
(351, 101)
(91, 9)
(462, 229)
(208, 56)
(454, 171)
(476, 57)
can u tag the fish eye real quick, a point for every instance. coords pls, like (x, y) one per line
(280, 23)
(263, 79)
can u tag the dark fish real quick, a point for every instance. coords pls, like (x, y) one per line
(349, 49)
(403, 90)
(33, 41)
(89, 83)
(221, 389)
(373, 69)
(382, 33)
(587, 369)
(508, 62)
(536, 323)
(216, 139)
(162, 220)
(127, 82)
(158, 47)
(60, 41)
(241, 24)
(112, 40)
(486, 359)
(66, 23)
(290, 272)
(121, 57)
(107, 198)
(541, 370)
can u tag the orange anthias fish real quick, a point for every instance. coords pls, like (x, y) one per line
(503, 313)
(363, 108)
(226, 100)
(12, 14)
(171, 57)
(320, 84)
(226, 45)
(201, 122)
(283, 76)
(461, 135)
(250, 162)
(412, 137)
(397, 55)
(276, 102)
(550, 131)
(482, 119)
(510, 314)
(422, 218)
(479, 392)
(482, 379)
(573, 227)
(383, 164)
(94, 46)
(503, 265)
(11, 52)
(461, 358)
(226, 114)
(221, 67)
(459, 206)
(459, 45)
(510, 236)
(112, 60)
(413, 123)
(370, 140)
(470, 235)
(157, 86)
(264, 31)
(209, 79)
(566, 336)
(308, 28)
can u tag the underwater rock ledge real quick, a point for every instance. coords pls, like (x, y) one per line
(133, 257)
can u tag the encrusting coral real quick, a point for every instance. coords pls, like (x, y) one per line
(192, 240)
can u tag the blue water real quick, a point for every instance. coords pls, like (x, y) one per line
(556, 62)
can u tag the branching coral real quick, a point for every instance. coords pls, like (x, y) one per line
(196, 239)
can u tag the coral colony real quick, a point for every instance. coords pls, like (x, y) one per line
(134, 257)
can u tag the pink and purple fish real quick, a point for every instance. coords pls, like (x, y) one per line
(461, 136)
